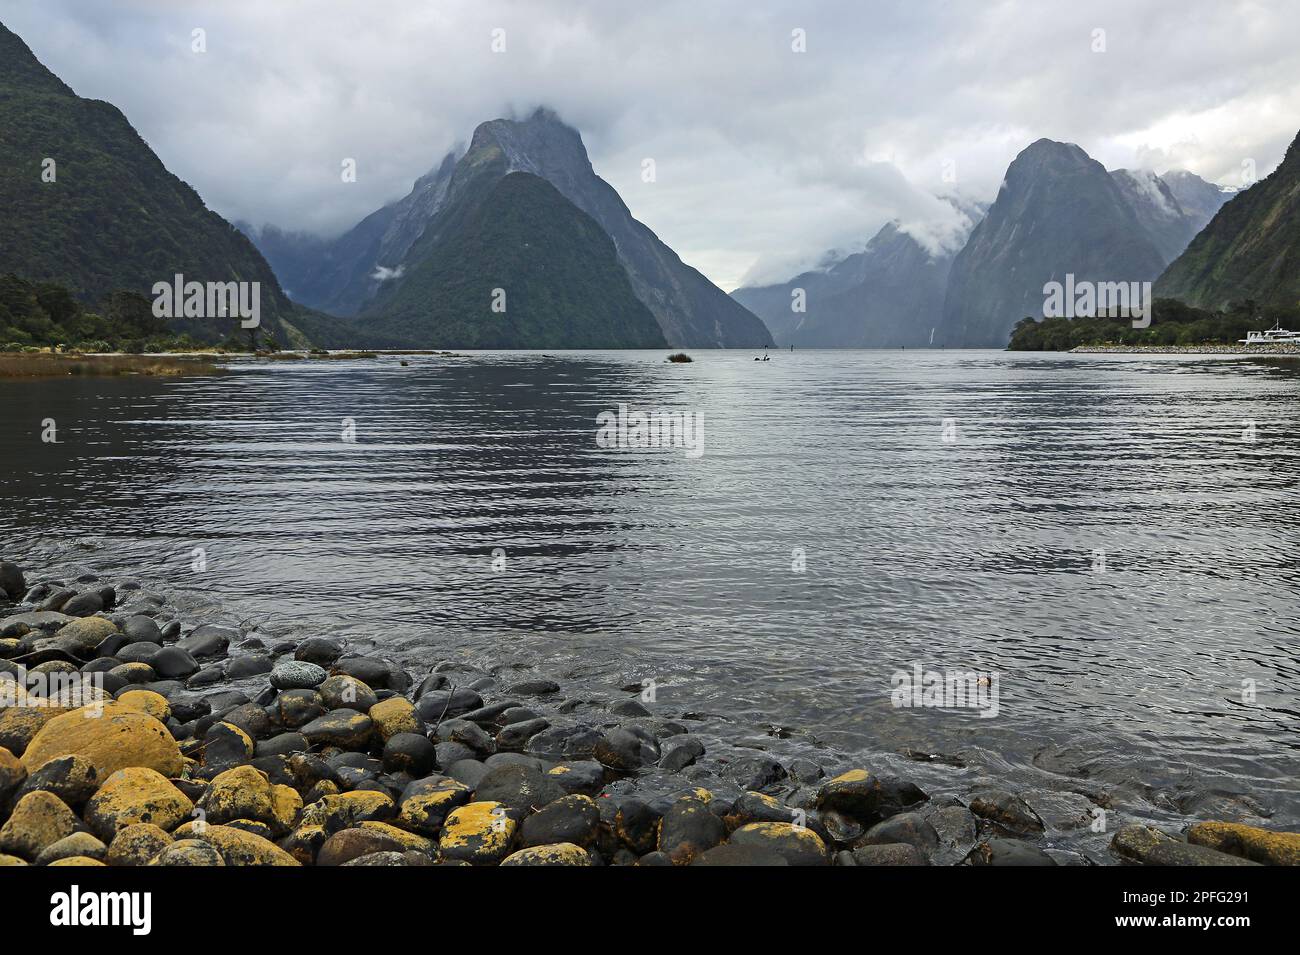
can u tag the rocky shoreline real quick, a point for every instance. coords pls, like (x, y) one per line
(1253, 350)
(209, 745)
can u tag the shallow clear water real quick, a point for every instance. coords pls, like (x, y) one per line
(976, 553)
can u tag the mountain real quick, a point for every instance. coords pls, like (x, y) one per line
(364, 270)
(1200, 200)
(1158, 210)
(113, 218)
(1249, 251)
(888, 295)
(1058, 211)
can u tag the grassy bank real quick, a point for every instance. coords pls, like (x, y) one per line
(50, 365)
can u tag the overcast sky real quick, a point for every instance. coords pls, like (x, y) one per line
(765, 157)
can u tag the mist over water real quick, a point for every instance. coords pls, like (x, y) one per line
(620, 565)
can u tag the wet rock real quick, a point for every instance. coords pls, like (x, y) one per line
(910, 828)
(393, 716)
(11, 580)
(297, 708)
(481, 833)
(173, 663)
(134, 795)
(283, 744)
(1006, 810)
(297, 675)
(566, 742)
(758, 807)
(39, 820)
(346, 728)
(434, 681)
(514, 736)
(1185, 854)
(77, 845)
(189, 852)
(438, 705)
(118, 738)
(56, 600)
(319, 650)
(689, 827)
(682, 754)
(1259, 845)
(137, 844)
(654, 859)
(82, 637)
(224, 744)
(895, 853)
(73, 779)
(626, 751)
(139, 653)
(343, 692)
(248, 665)
(521, 789)
(83, 605)
(426, 803)
(410, 753)
(560, 854)
(376, 674)
(506, 716)
(866, 797)
(467, 771)
(732, 854)
(467, 734)
(207, 677)
(843, 829)
(571, 819)
(1134, 842)
(140, 629)
(957, 831)
(1008, 852)
(798, 845)
(584, 777)
(250, 718)
(208, 640)
(238, 793)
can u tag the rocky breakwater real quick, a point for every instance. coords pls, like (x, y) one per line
(128, 738)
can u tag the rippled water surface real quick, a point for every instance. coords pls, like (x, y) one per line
(984, 552)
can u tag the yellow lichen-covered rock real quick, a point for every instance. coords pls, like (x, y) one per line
(12, 774)
(286, 804)
(77, 844)
(1265, 846)
(188, 852)
(39, 820)
(229, 740)
(84, 634)
(407, 840)
(238, 847)
(426, 803)
(147, 701)
(137, 844)
(111, 736)
(394, 715)
(134, 795)
(20, 724)
(239, 793)
(798, 845)
(78, 861)
(480, 833)
(12, 860)
(856, 792)
(304, 843)
(559, 854)
(344, 810)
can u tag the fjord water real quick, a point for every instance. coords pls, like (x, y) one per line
(1098, 533)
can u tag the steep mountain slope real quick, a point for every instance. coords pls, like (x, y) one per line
(365, 266)
(1058, 212)
(1158, 210)
(1250, 249)
(114, 217)
(888, 295)
(559, 279)
(1200, 200)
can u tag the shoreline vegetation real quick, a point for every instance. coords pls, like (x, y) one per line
(214, 745)
(1280, 350)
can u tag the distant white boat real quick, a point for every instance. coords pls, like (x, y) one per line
(1271, 336)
